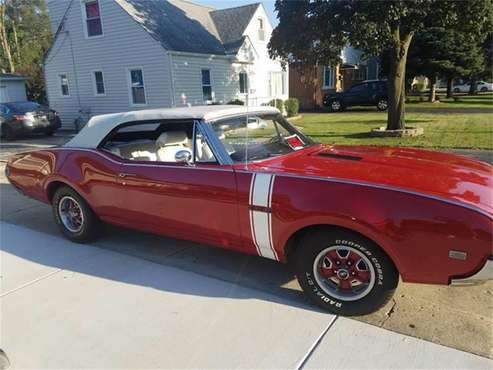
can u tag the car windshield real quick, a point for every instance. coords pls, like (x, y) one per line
(23, 107)
(264, 136)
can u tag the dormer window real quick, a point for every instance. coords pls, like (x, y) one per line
(92, 18)
(261, 31)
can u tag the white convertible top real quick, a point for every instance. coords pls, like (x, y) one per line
(99, 126)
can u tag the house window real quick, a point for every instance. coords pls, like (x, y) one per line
(243, 83)
(277, 84)
(206, 85)
(329, 77)
(137, 87)
(64, 87)
(261, 31)
(92, 14)
(99, 83)
(360, 73)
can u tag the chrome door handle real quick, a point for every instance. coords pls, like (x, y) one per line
(124, 174)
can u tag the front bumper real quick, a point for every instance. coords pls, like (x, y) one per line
(486, 273)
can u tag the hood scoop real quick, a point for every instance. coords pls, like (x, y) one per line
(340, 156)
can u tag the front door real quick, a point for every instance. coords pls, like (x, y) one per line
(170, 183)
(194, 202)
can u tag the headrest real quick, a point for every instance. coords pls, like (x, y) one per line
(172, 138)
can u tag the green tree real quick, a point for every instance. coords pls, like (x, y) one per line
(25, 36)
(438, 52)
(315, 31)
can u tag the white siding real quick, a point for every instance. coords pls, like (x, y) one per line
(124, 44)
(11, 91)
(260, 71)
(187, 79)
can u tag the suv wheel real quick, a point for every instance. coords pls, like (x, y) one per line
(456, 90)
(382, 104)
(335, 106)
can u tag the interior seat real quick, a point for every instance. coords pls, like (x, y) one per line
(169, 143)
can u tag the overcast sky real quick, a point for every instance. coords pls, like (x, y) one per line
(220, 4)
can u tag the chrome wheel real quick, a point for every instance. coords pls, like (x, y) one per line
(344, 273)
(335, 105)
(382, 104)
(71, 214)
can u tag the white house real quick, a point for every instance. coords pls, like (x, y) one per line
(12, 88)
(118, 55)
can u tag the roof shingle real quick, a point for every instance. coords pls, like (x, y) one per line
(180, 25)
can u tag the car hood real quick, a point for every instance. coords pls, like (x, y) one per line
(439, 174)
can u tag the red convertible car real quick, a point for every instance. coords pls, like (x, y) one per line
(349, 220)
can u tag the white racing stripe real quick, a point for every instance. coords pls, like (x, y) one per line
(261, 189)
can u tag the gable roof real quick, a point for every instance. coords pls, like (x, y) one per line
(180, 25)
(231, 24)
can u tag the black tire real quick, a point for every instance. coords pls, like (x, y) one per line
(336, 106)
(49, 133)
(484, 89)
(7, 132)
(373, 295)
(90, 224)
(382, 104)
(456, 90)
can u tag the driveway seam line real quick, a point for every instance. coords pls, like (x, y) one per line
(31, 282)
(37, 280)
(301, 364)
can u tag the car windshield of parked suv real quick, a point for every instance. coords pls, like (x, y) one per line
(258, 137)
(23, 107)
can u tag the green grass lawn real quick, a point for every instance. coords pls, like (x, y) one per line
(481, 101)
(464, 130)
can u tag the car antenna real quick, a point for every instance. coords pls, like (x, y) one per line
(246, 124)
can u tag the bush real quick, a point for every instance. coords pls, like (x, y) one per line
(292, 106)
(278, 103)
(236, 102)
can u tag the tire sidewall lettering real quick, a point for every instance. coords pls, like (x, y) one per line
(320, 293)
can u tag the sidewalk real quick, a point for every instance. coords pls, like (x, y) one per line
(66, 305)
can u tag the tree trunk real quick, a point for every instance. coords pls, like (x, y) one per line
(473, 89)
(397, 82)
(449, 87)
(433, 89)
(16, 43)
(4, 40)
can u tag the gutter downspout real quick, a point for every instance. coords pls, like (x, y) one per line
(172, 79)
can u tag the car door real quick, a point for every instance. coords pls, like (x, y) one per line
(194, 201)
(356, 95)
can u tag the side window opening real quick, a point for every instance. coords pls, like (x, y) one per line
(158, 141)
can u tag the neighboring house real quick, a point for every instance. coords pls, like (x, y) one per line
(309, 84)
(119, 55)
(12, 88)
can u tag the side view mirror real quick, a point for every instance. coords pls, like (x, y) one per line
(183, 156)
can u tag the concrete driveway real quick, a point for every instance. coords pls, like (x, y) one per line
(136, 300)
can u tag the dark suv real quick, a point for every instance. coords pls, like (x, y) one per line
(365, 93)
